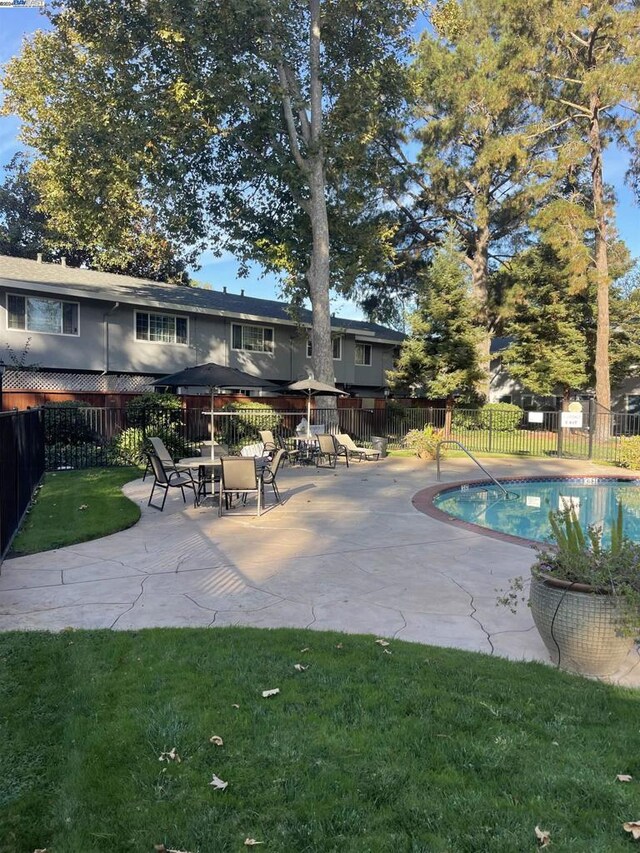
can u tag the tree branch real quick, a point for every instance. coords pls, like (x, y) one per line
(301, 163)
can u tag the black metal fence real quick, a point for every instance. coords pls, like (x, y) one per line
(22, 465)
(80, 436)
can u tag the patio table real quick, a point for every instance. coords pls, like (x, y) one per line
(207, 469)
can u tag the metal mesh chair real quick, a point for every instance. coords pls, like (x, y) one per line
(268, 441)
(168, 480)
(269, 474)
(239, 476)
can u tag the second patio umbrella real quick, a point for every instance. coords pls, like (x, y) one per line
(313, 388)
(213, 376)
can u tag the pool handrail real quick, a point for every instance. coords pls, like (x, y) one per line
(471, 456)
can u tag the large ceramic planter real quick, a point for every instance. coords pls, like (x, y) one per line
(579, 627)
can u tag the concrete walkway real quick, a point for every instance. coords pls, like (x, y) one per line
(347, 551)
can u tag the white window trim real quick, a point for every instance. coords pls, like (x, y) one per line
(333, 338)
(159, 314)
(364, 364)
(33, 331)
(270, 352)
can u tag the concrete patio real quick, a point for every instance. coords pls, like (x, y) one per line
(347, 551)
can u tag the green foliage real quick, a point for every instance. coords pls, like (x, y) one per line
(154, 410)
(440, 357)
(501, 417)
(85, 454)
(128, 447)
(629, 452)
(424, 442)
(614, 570)
(66, 423)
(243, 428)
(465, 419)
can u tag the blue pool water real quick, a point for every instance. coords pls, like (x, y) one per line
(526, 511)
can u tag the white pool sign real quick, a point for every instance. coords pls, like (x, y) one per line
(571, 420)
(535, 417)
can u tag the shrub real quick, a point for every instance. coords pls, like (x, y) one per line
(66, 423)
(249, 418)
(502, 417)
(80, 455)
(424, 442)
(630, 451)
(464, 419)
(154, 411)
(128, 447)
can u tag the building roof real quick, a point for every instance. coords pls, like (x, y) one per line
(65, 280)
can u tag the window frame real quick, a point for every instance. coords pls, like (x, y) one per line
(334, 338)
(174, 343)
(61, 302)
(367, 348)
(254, 326)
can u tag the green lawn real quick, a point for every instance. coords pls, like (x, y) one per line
(419, 750)
(75, 506)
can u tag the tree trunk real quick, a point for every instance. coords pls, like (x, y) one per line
(479, 265)
(603, 383)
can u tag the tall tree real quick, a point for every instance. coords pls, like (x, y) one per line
(252, 124)
(479, 167)
(25, 230)
(440, 356)
(549, 324)
(588, 67)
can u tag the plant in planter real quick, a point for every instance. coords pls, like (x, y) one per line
(585, 597)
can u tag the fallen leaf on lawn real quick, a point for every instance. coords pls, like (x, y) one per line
(40, 850)
(387, 652)
(554, 743)
(338, 645)
(83, 506)
(382, 642)
(306, 649)
(217, 783)
(172, 755)
(543, 836)
(633, 826)
(624, 777)
(267, 693)
(235, 706)
(300, 667)
(160, 848)
(251, 842)
(217, 740)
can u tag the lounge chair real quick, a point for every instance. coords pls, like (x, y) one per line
(166, 480)
(358, 453)
(329, 448)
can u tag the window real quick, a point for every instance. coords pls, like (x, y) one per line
(363, 355)
(161, 328)
(633, 404)
(252, 338)
(37, 314)
(336, 343)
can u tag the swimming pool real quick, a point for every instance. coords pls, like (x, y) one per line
(525, 512)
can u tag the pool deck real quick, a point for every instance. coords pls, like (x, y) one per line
(347, 551)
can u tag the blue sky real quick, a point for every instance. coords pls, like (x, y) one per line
(16, 23)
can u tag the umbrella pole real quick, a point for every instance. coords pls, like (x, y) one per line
(213, 455)
(309, 416)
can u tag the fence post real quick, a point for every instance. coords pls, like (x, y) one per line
(490, 442)
(560, 431)
(590, 423)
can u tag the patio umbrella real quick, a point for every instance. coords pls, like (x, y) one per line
(214, 376)
(312, 388)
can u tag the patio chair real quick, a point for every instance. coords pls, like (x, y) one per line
(359, 453)
(291, 454)
(240, 476)
(268, 441)
(168, 480)
(269, 474)
(160, 450)
(329, 448)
